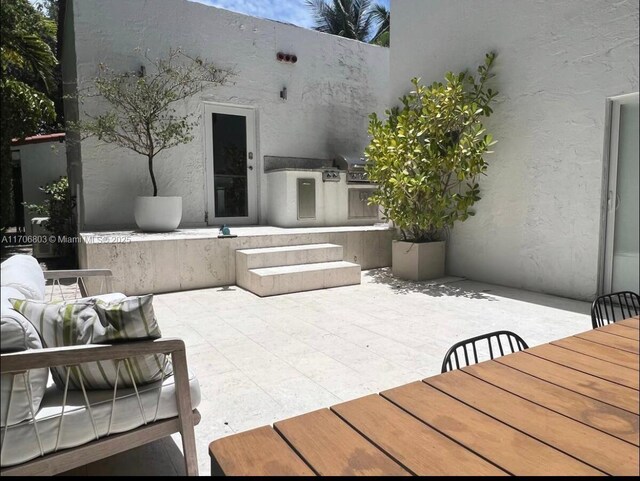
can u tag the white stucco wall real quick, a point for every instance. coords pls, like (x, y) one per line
(41, 163)
(538, 224)
(69, 78)
(332, 88)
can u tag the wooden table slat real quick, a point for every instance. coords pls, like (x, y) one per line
(581, 362)
(609, 339)
(413, 444)
(333, 448)
(617, 422)
(583, 442)
(620, 330)
(633, 322)
(586, 384)
(260, 450)
(606, 353)
(510, 449)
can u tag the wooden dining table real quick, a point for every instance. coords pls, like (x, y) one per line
(570, 407)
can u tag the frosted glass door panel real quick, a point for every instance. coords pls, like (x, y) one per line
(626, 267)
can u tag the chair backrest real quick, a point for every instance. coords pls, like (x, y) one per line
(614, 307)
(482, 348)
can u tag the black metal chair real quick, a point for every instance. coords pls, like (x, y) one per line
(499, 343)
(614, 307)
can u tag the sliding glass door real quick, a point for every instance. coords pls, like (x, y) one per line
(621, 260)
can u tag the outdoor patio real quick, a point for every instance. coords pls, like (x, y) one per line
(260, 360)
(283, 186)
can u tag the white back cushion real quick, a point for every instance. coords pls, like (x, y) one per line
(18, 334)
(23, 273)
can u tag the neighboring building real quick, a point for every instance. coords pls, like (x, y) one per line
(541, 223)
(328, 94)
(42, 160)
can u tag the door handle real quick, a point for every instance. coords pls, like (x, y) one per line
(609, 199)
(613, 200)
(250, 167)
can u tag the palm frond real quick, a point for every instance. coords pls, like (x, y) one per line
(346, 18)
(381, 17)
(35, 54)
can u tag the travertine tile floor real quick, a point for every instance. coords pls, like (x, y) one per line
(261, 360)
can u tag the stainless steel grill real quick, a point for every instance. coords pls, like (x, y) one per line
(354, 166)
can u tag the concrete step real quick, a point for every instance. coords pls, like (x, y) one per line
(271, 281)
(287, 256)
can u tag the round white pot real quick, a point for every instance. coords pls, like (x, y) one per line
(158, 214)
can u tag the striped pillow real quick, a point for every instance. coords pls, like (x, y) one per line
(128, 318)
(98, 322)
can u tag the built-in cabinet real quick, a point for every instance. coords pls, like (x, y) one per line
(359, 207)
(300, 198)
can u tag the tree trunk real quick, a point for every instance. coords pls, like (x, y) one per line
(153, 177)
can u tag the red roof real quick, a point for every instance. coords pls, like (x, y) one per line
(37, 139)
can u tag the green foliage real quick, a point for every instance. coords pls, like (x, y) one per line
(426, 157)
(49, 8)
(26, 38)
(59, 207)
(27, 72)
(381, 16)
(142, 115)
(382, 40)
(24, 109)
(353, 19)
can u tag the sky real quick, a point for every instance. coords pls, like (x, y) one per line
(291, 11)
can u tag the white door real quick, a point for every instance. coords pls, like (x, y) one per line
(231, 165)
(621, 259)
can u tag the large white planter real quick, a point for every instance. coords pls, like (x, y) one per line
(158, 214)
(417, 262)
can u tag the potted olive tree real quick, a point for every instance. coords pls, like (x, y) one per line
(143, 116)
(426, 158)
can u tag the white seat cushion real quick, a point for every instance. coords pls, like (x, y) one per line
(20, 443)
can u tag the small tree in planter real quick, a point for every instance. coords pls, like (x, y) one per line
(426, 158)
(59, 207)
(142, 117)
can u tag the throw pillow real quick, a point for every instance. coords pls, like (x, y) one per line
(76, 323)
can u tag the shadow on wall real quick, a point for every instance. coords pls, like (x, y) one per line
(438, 288)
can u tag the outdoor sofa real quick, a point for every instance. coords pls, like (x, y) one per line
(47, 429)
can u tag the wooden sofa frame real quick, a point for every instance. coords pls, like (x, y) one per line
(64, 460)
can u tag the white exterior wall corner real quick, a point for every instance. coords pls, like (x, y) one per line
(332, 88)
(538, 224)
(69, 91)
